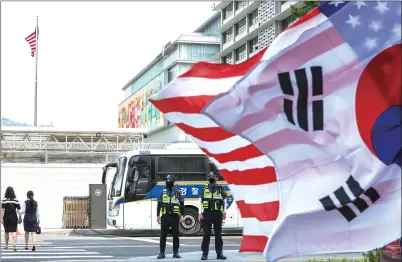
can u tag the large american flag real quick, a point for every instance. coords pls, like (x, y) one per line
(31, 39)
(249, 173)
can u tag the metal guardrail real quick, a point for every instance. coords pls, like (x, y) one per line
(27, 146)
(68, 152)
(75, 212)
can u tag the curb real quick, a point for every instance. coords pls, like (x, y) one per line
(57, 233)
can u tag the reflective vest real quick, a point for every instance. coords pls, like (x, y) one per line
(212, 201)
(170, 205)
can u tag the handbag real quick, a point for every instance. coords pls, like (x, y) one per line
(38, 230)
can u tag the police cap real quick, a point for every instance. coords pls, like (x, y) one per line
(213, 175)
(170, 178)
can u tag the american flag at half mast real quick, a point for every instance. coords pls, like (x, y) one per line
(31, 39)
(250, 175)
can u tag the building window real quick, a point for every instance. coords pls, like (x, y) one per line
(287, 22)
(241, 53)
(253, 17)
(239, 4)
(241, 27)
(228, 11)
(228, 35)
(253, 45)
(228, 59)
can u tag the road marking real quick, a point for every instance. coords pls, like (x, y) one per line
(150, 240)
(57, 253)
(128, 246)
(23, 246)
(86, 260)
(58, 257)
(43, 250)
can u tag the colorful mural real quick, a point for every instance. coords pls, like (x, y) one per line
(136, 111)
(152, 118)
(130, 111)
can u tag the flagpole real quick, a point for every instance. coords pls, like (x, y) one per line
(36, 76)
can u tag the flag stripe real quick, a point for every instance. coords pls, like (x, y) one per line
(210, 87)
(255, 194)
(240, 154)
(175, 104)
(253, 227)
(256, 162)
(221, 71)
(267, 211)
(253, 243)
(205, 133)
(223, 146)
(194, 120)
(254, 176)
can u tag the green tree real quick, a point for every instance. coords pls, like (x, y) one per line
(301, 11)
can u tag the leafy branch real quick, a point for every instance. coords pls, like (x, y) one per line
(301, 11)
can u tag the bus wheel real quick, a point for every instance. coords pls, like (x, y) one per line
(191, 225)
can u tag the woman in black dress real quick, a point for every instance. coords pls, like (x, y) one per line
(31, 219)
(9, 207)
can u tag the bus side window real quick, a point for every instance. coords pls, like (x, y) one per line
(184, 168)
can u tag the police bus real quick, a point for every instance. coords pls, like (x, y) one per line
(139, 180)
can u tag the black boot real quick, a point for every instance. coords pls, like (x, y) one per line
(161, 255)
(220, 256)
(176, 255)
(204, 257)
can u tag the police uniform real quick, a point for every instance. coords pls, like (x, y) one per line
(212, 198)
(171, 206)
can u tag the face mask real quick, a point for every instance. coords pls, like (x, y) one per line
(169, 184)
(211, 180)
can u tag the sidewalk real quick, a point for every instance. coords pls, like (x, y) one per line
(53, 232)
(234, 255)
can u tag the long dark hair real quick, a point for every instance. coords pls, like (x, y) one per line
(30, 195)
(10, 193)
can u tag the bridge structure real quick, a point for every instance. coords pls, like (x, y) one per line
(55, 145)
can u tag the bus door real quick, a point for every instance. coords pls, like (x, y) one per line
(137, 208)
(116, 192)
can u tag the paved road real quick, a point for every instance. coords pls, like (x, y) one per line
(76, 248)
(81, 248)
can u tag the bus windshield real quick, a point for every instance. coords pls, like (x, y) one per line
(117, 182)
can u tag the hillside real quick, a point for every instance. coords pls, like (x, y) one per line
(9, 122)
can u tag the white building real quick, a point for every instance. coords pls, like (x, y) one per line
(249, 26)
(175, 58)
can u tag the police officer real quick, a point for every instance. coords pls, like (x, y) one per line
(212, 211)
(171, 205)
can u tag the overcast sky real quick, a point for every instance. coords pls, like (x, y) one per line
(87, 53)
